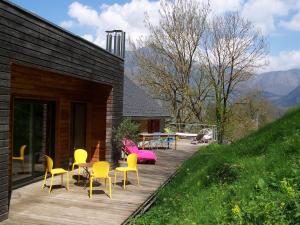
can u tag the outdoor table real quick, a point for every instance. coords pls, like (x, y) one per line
(151, 135)
(86, 171)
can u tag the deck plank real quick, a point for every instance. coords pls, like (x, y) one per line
(31, 205)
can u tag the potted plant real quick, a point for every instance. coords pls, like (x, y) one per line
(126, 129)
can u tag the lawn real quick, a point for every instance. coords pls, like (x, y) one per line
(253, 181)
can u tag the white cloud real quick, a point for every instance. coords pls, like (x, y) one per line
(67, 24)
(263, 13)
(284, 61)
(293, 24)
(128, 17)
(84, 15)
(220, 6)
(88, 37)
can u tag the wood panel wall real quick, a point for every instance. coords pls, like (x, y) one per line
(32, 83)
(31, 41)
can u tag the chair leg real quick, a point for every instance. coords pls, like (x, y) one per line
(51, 182)
(109, 180)
(91, 186)
(137, 177)
(73, 168)
(44, 183)
(68, 181)
(62, 179)
(124, 185)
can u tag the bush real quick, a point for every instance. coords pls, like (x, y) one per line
(126, 129)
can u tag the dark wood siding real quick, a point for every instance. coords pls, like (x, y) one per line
(28, 40)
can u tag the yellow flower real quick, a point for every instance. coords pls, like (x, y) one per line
(236, 210)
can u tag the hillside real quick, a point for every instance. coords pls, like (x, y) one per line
(277, 82)
(253, 181)
(291, 99)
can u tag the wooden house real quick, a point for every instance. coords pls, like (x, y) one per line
(58, 92)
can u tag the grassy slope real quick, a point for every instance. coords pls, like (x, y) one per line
(254, 181)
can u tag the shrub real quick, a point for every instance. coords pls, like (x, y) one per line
(126, 129)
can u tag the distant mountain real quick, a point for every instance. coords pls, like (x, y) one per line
(277, 82)
(291, 99)
(270, 96)
(280, 87)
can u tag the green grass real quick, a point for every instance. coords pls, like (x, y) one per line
(253, 181)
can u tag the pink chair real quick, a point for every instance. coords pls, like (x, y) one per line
(143, 155)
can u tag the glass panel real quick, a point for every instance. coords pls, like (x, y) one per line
(22, 135)
(78, 126)
(33, 127)
(39, 139)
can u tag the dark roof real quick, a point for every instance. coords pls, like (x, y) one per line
(37, 17)
(137, 103)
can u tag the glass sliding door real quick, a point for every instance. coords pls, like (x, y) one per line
(33, 136)
(78, 127)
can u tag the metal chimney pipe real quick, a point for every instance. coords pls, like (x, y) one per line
(115, 43)
(109, 42)
(118, 44)
(123, 45)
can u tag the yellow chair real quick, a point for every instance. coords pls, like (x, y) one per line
(21, 157)
(100, 170)
(56, 171)
(80, 156)
(131, 167)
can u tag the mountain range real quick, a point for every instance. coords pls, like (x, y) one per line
(282, 88)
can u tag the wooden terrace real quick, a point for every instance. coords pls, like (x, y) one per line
(31, 205)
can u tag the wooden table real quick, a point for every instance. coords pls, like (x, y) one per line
(150, 136)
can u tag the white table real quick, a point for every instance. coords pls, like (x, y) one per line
(145, 136)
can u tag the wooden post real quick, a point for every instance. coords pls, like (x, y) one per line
(175, 142)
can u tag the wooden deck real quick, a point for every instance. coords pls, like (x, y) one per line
(30, 205)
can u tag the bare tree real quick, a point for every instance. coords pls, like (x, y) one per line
(248, 113)
(231, 52)
(166, 61)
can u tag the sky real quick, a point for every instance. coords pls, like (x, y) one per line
(279, 21)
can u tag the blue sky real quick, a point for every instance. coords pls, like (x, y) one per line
(278, 19)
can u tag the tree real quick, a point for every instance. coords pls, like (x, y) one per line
(248, 113)
(166, 60)
(231, 52)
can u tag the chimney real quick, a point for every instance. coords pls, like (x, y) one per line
(115, 42)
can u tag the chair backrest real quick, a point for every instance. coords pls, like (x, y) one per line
(101, 169)
(22, 151)
(132, 161)
(130, 146)
(80, 156)
(49, 163)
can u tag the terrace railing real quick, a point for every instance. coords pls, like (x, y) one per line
(196, 128)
